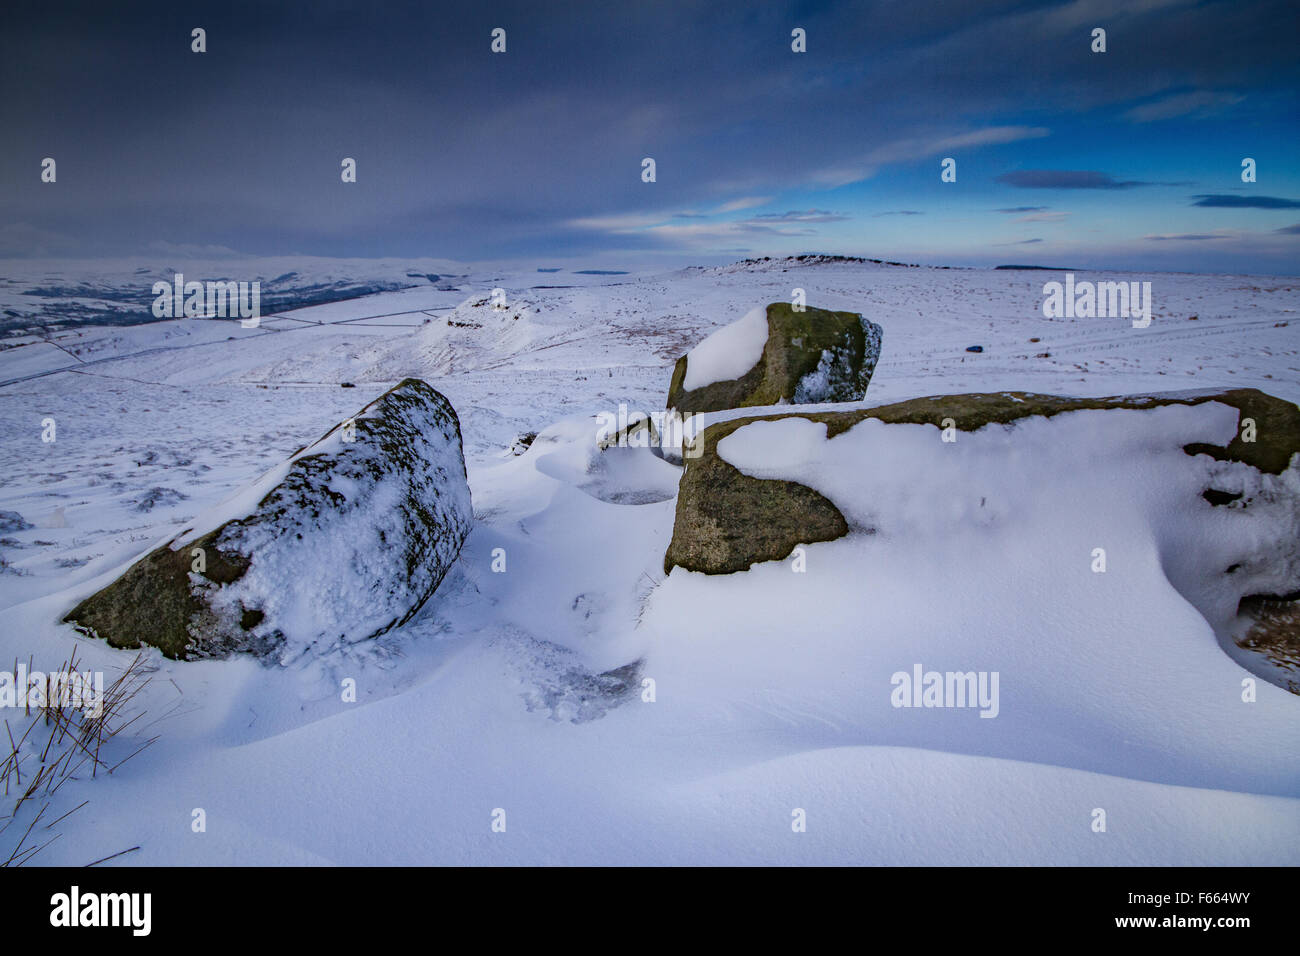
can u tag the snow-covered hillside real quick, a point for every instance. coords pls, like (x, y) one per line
(520, 685)
(55, 298)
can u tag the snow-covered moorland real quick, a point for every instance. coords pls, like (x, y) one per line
(520, 685)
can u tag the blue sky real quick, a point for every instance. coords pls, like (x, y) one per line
(1064, 156)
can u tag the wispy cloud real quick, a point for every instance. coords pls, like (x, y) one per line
(748, 202)
(622, 222)
(1187, 237)
(1015, 209)
(704, 233)
(796, 215)
(1052, 216)
(1290, 230)
(1197, 103)
(1221, 201)
(699, 226)
(916, 148)
(898, 212)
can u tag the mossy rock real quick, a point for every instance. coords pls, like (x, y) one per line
(810, 357)
(360, 528)
(153, 602)
(727, 521)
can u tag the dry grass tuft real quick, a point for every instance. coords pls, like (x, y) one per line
(61, 740)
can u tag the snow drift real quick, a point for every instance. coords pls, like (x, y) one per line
(773, 688)
(1217, 496)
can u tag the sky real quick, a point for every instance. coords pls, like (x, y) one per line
(1129, 159)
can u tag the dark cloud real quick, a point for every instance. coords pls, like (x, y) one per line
(1186, 237)
(1222, 201)
(1066, 179)
(1290, 230)
(1014, 209)
(467, 154)
(899, 212)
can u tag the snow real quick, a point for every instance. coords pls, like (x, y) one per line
(815, 386)
(729, 352)
(326, 573)
(998, 530)
(772, 688)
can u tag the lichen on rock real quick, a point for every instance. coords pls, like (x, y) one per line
(727, 521)
(810, 356)
(342, 542)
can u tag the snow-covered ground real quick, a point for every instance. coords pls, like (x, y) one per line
(772, 690)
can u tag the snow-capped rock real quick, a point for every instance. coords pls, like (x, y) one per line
(346, 539)
(1220, 504)
(776, 354)
(764, 485)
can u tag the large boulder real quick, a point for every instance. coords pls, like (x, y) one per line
(727, 520)
(1206, 483)
(775, 354)
(340, 543)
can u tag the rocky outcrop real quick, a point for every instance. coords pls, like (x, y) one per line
(809, 357)
(342, 542)
(726, 520)
(13, 521)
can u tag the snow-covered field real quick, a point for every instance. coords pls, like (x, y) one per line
(772, 690)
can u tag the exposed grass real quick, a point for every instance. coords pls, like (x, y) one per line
(58, 741)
